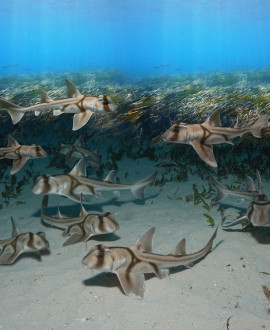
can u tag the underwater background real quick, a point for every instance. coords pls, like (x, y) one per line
(161, 62)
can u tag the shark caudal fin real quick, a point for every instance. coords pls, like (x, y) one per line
(221, 192)
(13, 110)
(139, 187)
(259, 124)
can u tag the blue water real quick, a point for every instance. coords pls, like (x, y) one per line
(137, 36)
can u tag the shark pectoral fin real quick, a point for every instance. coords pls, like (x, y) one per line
(9, 256)
(131, 282)
(162, 273)
(57, 112)
(80, 119)
(205, 151)
(145, 242)
(73, 239)
(18, 164)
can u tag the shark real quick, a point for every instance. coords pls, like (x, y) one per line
(20, 153)
(19, 243)
(83, 227)
(258, 211)
(73, 151)
(82, 106)
(131, 263)
(75, 183)
(203, 136)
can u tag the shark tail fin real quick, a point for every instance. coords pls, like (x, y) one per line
(221, 192)
(260, 123)
(13, 110)
(139, 187)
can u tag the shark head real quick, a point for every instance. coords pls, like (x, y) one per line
(39, 242)
(36, 151)
(178, 133)
(45, 185)
(102, 103)
(99, 257)
(105, 223)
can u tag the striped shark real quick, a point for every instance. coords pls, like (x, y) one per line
(82, 228)
(203, 136)
(258, 211)
(75, 150)
(75, 183)
(20, 153)
(131, 263)
(82, 106)
(19, 243)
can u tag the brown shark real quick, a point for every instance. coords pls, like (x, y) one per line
(258, 211)
(83, 106)
(203, 136)
(131, 263)
(75, 150)
(20, 154)
(81, 228)
(75, 183)
(20, 243)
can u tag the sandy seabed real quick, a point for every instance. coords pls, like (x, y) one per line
(221, 291)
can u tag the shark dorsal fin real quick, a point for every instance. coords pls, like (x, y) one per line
(45, 98)
(80, 168)
(16, 230)
(83, 211)
(59, 214)
(79, 141)
(110, 177)
(145, 242)
(214, 119)
(180, 248)
(12, 142)
(250, 185)
(72, 90)
(259, 181)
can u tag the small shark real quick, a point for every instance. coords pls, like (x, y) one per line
(258, 212)
(83, 106)
(20, 154)
(131, 263)
(81, 228)
(75, 150)
(75, 183)
(20, 243)
(203, 136)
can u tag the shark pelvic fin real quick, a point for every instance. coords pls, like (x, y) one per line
(45, 98)
(213, 119)
(72, 90)
(205, 151)
(18, 164)
(131, 282)
(145, 242)
(80, 119)
(80, 168)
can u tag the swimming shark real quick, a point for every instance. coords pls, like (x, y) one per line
(20, 153)
(19, 243)
(72, 151)
(131, 263)
(258, 211)
(75, 183)
(81, 228)
(82, 106)
(203, 136)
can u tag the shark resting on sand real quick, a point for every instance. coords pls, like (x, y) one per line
(19, 243)
(20, 154)
(258, 211)
(81, 228)
(75, 183)
(83, 106)
(131, 263)
(203, 136)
